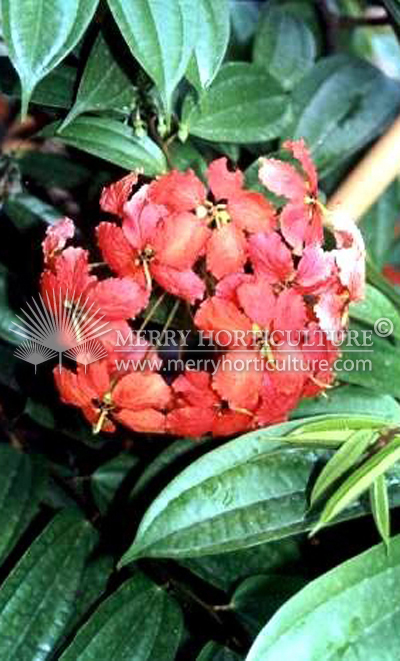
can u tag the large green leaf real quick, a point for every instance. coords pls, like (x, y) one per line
(378, 224)
(7, 315)
(56, 90)
(376, 306)
(351, 399)
(215, 652)
(104, 84)
(161, 40)
(244, 104)
(108, 477)
(352, 612)
(21, 488)
(139, 621)
(37, 598)
(40, 34)
(341, 105)
(211, 43)
(284, 46)
(249, 491)
(25, 211)
(112, 141)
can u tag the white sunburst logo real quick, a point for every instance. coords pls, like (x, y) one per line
(60, 325)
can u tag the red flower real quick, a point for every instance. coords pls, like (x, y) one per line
(57, 236)
(113, 197)
(138, 400)
(350, 256)
(233, 213)
(199, 410)
(301, 218)
(153, 244)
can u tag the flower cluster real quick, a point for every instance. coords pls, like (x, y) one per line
(240, 265)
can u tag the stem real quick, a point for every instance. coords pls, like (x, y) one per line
(152, 311)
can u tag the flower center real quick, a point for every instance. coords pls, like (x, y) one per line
(214, 214)
(144, 258)
(104, 408)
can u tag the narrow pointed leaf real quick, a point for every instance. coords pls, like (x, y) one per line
(138, 621)
(243, 104)
(211, 43)
(343, 459)
(379, 498)
(37, 598)
(40, 34)
(162, 41)
(104, 84)
(351, 612)
(360, 480)
(111, 141)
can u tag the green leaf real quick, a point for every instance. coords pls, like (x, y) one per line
(226, 569)
(37, 598)
(340, 106)
(108, 477)
(343, 459)
(249, 491)
(211, 43)
(350, 399)
(26, 211)
(378, 224)
(350, 612)
(360, 480)
(111, 141)
(21, 489)
(39, 35)
(138, 621)
(7, 315)
(393, 6)
(162, 41)
(376, 306)
(50, 170)
(215, 652)
(380, 507)
(244, 104)
(104, 85)
(284, 46)
(56, 90)
(376, 278)
(257, 599)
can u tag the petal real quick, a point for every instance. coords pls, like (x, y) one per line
(57, 236)
(180, 240)
(194, 387)
(251, 211)
(315, 269)
(330, 310)
(302, 153)
(70, 275)
(271, 258)
(228, 286)
(282, 179)
(291, 312)
(226, 251)
(145, 421)
(258, 302)
(114, 197)
(116, 250)
(140, 219)
(351, 256)
(223, 182)
(184, 284)
(277, 403)
(70, 389)
(237, 380)
(119, 298)
(217, 314)
(142, 390)
(178, 191)
(294, 221)
(95, 378)
(192, 421)
(229, 423)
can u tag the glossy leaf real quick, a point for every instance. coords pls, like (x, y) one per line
(7, 315)
(39, 35)
(376, 306)
(350, 399)
(249, 491)
(340, 106)
(26, 211)
(352, 611)
(56, 90)
(137, 621)
(37, 598)
(111, 141)
(211, 43)
(341, 462)
(360, 480)
(244, 104)
(380, 508)
(162, 41)
(104, 84)
(21, 489)
(108, 477)
(216, 652)
(378, 224)
(284, 46)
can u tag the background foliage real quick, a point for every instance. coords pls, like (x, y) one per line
(152, 548)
